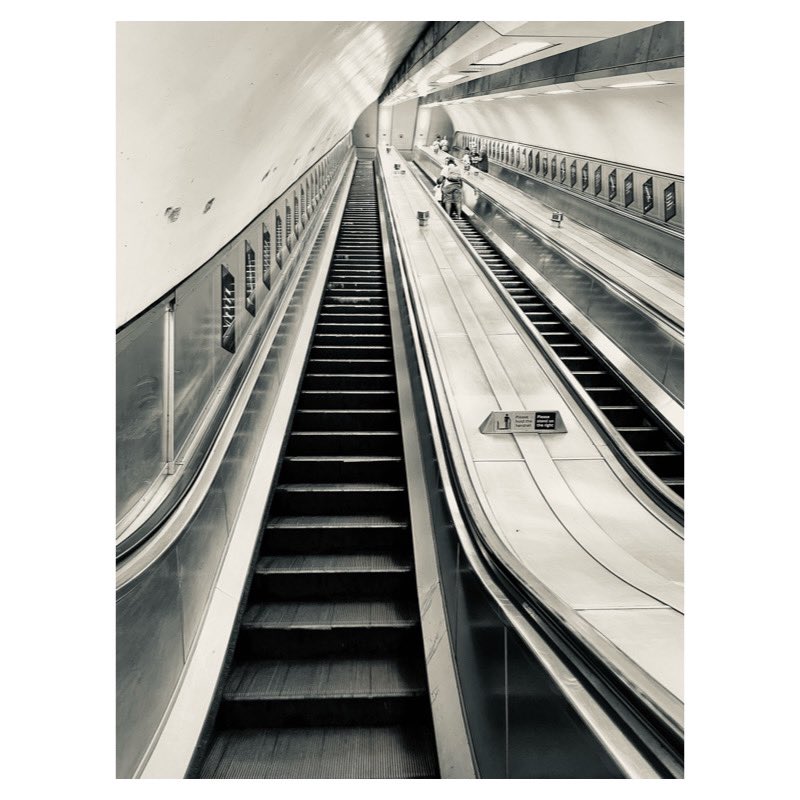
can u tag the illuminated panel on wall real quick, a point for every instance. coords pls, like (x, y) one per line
(628, 189)
(249, 278)
(598, 181)
(228, 308)
(266, 256)
(278, 240)
(670, 202)
(647, 195)
(612, 184)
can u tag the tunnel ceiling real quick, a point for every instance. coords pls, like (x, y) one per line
(229, 112)
(486, 48)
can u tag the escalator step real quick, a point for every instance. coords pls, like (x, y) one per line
(323, 752)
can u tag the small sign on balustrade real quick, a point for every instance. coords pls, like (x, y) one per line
(523, 422)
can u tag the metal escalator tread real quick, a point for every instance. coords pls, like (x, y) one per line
(324, 752)
(327, 676)
(348, 562)
(610, 398)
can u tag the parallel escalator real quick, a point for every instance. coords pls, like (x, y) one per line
(649, 438)
(327, 675)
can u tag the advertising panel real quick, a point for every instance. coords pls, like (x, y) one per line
(573, 173)
(612, 184)
(598, 181)
(628, 189)
(670, 203)
(585, 177)
(647, 195)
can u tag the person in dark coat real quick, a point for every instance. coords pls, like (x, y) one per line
(482, 162)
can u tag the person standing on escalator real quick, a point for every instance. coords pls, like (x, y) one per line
(451, 187)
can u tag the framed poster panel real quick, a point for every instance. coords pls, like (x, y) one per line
(573, 173)
(544, 166)
(553, 167)
(530, 160)
(612, 184)
(598, 181)
(585, 177)
(536, 164)
(670, 202)
(562, 170)
(647, 195)
(628, 189)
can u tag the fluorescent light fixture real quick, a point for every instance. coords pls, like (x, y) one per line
(514, 96)
(453, 76)
(512, 53)
(633, 84)
(560, 91)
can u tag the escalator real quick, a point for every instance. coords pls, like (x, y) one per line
(647, 436)
(326, 677)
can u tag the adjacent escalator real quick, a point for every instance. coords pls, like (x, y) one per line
(327, 677)
(649, 438)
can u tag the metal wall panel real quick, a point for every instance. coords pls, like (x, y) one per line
(480, 656)
(199, 552)
(140, 407)
(150, 657)
(546, 738)
(196, 340)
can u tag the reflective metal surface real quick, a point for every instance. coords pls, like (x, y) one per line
(658, 353)
(162, 601)
(140, 407)
(150, 653)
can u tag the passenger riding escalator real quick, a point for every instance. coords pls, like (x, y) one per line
(327, 677)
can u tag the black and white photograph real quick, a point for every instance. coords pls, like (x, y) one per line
(393, 501)
(400, 397)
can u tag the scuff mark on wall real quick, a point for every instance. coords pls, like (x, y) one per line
(172, 214)
(208, 205)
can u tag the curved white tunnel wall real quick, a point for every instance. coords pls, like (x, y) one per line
(642, 127)
(229, 111)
